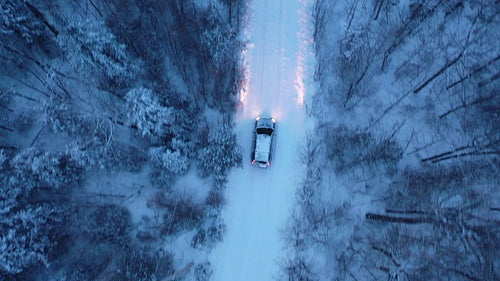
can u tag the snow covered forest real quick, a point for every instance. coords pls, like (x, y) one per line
(403, 165)
(115, 135)
(118, 138)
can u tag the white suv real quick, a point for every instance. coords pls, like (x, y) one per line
(264, 139)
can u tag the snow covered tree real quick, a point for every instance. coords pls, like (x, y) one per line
(221, 153)
(62, 118)
(355, 60)
(34, 168)
(145, 111)
(24, 239)
(16, 18)
(28, 230)
(218, 45)
(173, 161)
(101, 51)
(31, 216)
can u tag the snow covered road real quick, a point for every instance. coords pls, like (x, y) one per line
(259, 200)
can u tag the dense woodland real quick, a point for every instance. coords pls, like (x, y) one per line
(107, 104)
(403, 165)
(117, 89)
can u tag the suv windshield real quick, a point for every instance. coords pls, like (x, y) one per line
(267, 131)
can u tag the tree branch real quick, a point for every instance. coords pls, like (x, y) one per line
(443, 69)
(473, 72)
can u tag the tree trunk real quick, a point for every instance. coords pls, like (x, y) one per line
(479, 69)
(491, 79)
(478, 100)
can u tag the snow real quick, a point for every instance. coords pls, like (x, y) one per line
(263, 145)
(259, 201)
(192, 184)
(132, 190)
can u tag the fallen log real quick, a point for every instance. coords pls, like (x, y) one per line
(410, 220)
(179, 272)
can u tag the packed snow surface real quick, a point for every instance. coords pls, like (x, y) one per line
(259, 200)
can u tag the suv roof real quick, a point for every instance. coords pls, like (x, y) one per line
(262, 146)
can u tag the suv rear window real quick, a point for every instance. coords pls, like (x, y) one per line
(267, 131)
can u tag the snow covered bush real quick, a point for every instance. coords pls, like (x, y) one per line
(215, 202)
(110, 223)
(199, 239)
(178, 211)
(144, 265)
(203, 271)
(162, 179)
(216, 232)
(31, 216)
